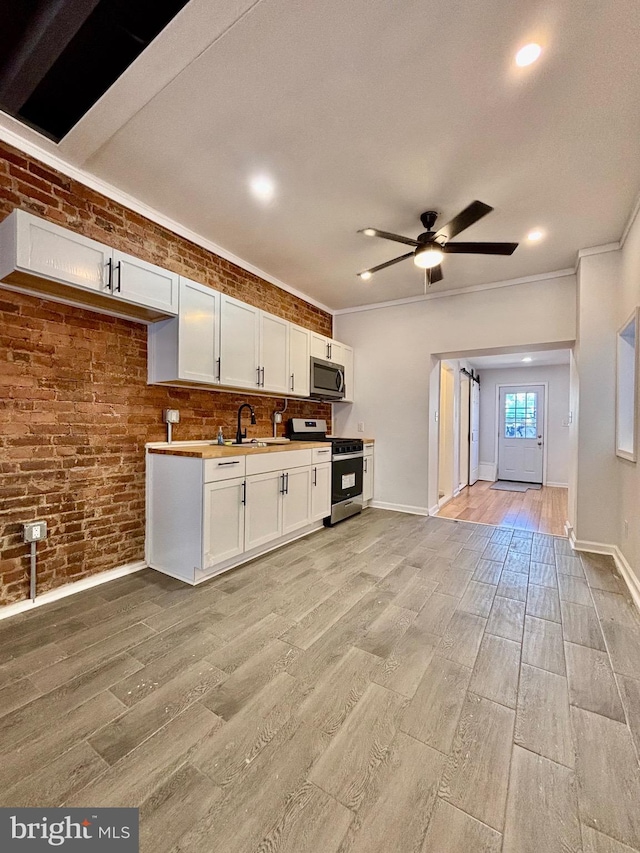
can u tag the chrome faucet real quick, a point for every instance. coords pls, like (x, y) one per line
(239, 433)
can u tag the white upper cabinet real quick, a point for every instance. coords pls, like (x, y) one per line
(299, 370)
(143, 283)
(346, 358)
(274, 353)
(41, 257)
(239, 344)
(320, 346)
(186, 348)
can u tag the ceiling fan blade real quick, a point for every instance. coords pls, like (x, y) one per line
(480, 248)
(387, 235)
(475, 211)
(388, 263)
(435, 274)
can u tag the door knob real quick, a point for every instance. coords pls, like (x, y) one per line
(539, 444)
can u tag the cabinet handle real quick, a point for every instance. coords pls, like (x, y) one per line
(282, 485)
(258, 380)
(287, 476)
(262, 369)
(315, 476)
(219, 361)
(323, 451)
(222, 464)
(110, 275)
(118, 266)
(243, 499)
(365, 466)
(293, 381)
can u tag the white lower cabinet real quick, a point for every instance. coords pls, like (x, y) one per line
(208, 515)
(367, 474)
(223, 521)
(320, 491)
(263, 514)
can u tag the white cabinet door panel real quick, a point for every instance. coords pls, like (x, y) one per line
(367, 478)
(299, 364)
(319, 346)
(320, 491)
(296, 501)
(223, 533)
(274, 353)
(239, 339)
(263, 511)
(347, 361)
(199, 332)
(62, 255)
(144, 284)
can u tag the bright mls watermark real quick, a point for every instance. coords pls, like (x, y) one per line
(74, 830)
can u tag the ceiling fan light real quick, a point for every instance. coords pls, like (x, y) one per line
(369, 232)
(427, 257)
(366, 275)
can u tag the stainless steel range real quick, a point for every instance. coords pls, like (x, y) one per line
(346, 465)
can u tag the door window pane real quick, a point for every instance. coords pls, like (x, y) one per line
(521, 415)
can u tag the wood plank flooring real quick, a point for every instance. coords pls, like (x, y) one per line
(538, 510)
(396, 683)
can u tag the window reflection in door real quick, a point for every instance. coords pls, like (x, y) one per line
(521, 415)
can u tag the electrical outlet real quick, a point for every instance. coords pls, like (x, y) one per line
(360, 426)
(171, 416)
(34, 531)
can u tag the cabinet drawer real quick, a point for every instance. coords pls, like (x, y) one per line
(321, 454)
(278, 461)
(368, 449)
(224, 469)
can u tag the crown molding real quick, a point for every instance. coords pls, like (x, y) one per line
(33, 149)
(635, 210)
(597, 250)
(494, 285)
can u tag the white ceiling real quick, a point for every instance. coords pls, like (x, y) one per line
(369, 113)
(538, 359)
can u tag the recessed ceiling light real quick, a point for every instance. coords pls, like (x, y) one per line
(528, 358)
(528, 54)
(369, 232)
(535, 235)
(262, 187)
(366, 275)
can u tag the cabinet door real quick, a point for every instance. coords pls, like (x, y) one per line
(320, 491)
(296, 501)
(299, 365)
(263, 511)
(367, 478)
(223, 533)
(319, 346)
(198, 332)
(145, 284)
(239, 338)
(347, 360)
(274, 353)
(59, 254)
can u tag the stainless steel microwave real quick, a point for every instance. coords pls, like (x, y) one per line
(327, 380)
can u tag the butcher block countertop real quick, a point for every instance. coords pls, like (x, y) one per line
(218, 451)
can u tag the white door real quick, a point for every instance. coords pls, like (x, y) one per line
(59, 254)
(299, 365)
(198, 333)
(263, 510)
(296, 501)
(144, 284)
(520, 436)
(474, 434)
(319, 346)
(321, 491)
(274, 353)
(223, 521)
(464, 431)
(239, 339)
(367, 478)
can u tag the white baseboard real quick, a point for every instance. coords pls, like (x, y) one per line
(412, 510)
(557, 485)
(71, 589)
(487, 471)
(632, 582)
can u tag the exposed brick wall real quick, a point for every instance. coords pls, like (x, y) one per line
(75, 409)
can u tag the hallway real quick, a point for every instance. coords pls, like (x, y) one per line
(540, 511)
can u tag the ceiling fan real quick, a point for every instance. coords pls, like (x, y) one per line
(431, 246)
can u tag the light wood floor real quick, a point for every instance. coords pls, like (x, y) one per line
(396, 684)
(539, 510)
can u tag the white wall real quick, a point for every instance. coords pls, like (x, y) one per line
(396, 374)
(557, 440)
